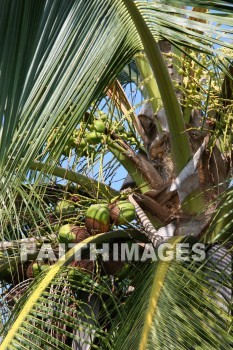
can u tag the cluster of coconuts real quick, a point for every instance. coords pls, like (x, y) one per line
(96, 131)
(16, 273)
(83, 140)
(98, 219)
(35, 268)
(87, 135)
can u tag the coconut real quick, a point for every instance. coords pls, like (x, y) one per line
(93, 137)
(103, 116)
(99, 126)
(32, 270)
(35, 268)
(65, 207)
(81, 144)
(72, 234)
(97, 218)
(120, 129)
(122, 212)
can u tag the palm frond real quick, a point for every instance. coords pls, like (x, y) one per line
(223, 5)
(32, 307)
(176, 306)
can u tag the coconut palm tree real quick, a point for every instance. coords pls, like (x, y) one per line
(91, 91)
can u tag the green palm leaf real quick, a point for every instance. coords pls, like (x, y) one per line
(176, 306)
(28, 324)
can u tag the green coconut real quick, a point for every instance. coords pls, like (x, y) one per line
(103, 116)
(99, 126)
(38, 268)
(35, 269)
(93, 137)
(82, 144)
(122, 212)
(65, 207)
(120, 129)
(90, 127)
(65, 234)
(97, 218)
(72, 234)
